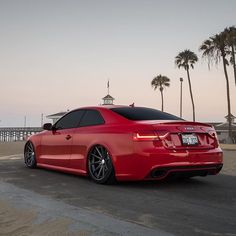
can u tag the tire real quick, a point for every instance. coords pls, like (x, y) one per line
(29, 155)
(100, 167)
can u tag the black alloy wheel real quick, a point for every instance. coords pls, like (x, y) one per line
(100, 166)
(29, 155)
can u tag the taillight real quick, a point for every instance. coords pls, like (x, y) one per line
(213, 134)
(145, 136)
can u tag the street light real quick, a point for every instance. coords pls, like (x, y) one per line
(181, 96)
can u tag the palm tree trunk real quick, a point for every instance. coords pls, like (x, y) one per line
(162, 101)
(234, 64)
(191, 94)
(228, 98)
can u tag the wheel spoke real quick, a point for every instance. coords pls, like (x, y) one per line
(99, 172)
(97, 167)
(30, 161)
(94, 155)
(95, 162)
(103, 153)
(105, 166)
(99, 152)
(30, 148)
(29, 154)
(103, 171)
(29, 157)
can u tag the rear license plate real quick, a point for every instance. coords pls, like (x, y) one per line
(189, 139)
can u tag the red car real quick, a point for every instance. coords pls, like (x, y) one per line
(125, 143)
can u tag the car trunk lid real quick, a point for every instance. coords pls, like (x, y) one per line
(184, 134)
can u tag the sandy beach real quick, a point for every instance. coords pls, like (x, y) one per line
(17, 221)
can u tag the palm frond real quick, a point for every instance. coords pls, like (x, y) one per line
(160, 82)
(186, 59)
(214, 48)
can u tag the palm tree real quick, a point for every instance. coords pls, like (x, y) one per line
(186, 59)
(215, 49)
(161, 82)
(231, 43)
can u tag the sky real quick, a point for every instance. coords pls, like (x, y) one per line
(59, 54)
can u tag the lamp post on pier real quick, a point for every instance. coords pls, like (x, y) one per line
(181, 96)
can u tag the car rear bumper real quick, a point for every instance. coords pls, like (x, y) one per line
(161, 163)
(185, 171)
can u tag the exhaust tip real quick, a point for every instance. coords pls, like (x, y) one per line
(158, 173)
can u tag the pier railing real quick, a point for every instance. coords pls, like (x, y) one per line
(17, 133)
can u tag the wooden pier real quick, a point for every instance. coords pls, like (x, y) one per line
(17, 133)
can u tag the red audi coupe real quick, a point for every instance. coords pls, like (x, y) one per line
(111, 143)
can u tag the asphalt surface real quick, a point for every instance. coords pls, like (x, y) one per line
(199, 206)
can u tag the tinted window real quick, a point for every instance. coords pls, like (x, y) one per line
(70, 120)
(91, 117)
(142, 113)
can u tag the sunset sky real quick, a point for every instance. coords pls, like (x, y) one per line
(58, 55)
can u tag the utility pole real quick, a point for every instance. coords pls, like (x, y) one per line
(108, 87)
(42, 120)
(24, 121)
(181, 97)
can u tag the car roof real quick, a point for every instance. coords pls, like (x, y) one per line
(102, 107)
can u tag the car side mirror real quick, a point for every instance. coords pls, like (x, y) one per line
(47, 126)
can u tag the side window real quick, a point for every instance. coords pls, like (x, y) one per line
(70, 120)
(91, 117)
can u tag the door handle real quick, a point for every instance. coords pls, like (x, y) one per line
(68, 137)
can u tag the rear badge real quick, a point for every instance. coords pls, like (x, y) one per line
(189, 128)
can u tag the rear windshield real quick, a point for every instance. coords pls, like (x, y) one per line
(142, 113)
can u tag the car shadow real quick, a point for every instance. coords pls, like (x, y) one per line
(175, 184)
(169, 183)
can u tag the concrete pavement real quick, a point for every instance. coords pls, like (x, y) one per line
(199, 206)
